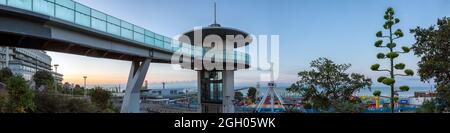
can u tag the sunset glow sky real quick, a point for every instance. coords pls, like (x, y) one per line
(343, 31)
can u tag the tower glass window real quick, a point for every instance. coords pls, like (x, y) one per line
(212, 86)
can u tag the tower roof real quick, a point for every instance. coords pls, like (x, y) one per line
(222, 32)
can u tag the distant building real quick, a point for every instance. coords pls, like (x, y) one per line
(420, 97)
(26, 62)
(166, 92)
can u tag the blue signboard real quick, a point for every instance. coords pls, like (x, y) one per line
(403, 101)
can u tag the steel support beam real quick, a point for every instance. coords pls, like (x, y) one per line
(136, 78)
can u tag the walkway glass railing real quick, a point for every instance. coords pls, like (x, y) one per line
(76, 13)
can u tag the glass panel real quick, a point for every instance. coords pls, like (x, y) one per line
(82, 19)
(3, 2)
(22, 4)
(139, 37)
(127, 25)
(64, 13)
(139, 29)
(113, 20)
(44, 7)
(149, 40)
(98, 15)
(83, 9)
(66, 3)
(159, 37)
(98, 24)
(113, 29)
(126, 33)
(149, 33)
(166, 39)
(167, 46)
(159, 43)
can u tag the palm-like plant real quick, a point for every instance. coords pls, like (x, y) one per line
(391, 55)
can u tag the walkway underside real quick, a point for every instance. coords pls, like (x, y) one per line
(21, 41)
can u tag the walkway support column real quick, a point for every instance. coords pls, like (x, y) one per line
(136, 78)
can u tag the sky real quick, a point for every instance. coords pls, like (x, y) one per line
(343, 31)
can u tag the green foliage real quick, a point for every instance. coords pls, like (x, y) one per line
(101, 98)
(397, 20)
(388, 81)
(379, 43)
(43, 78)
(379, 34)
(392, 55)
(328, 85)
(406, 49)
(429, 106)
(5, 74)
(404, 88)
(399, 33)
(251, 94)
(307, 106)
(380, 79)
(381, 56)
(4, 101)
(391, 20)
(400, 66)
(20, 95)
(375, 67)
(377, 93)
(51, 102)
(409, 72)
(349, 107)
(432, 46)
(391, 45)
(238, 96)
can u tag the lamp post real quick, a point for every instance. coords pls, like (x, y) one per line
(56, 72)
(85, 85)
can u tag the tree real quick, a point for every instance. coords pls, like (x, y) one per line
(4, 101)
(5, 74)
(20, 95)
(43, 78)
(391, 55)
(429, 106)
(238, 96)
(101, 98)
(433, 46)
(377, 93)
(251, 94)
(327, 85)
(52, 102)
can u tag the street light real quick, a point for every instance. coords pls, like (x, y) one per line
(85, 85)
(56, 72)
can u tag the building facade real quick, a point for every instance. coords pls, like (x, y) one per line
(26, 62)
